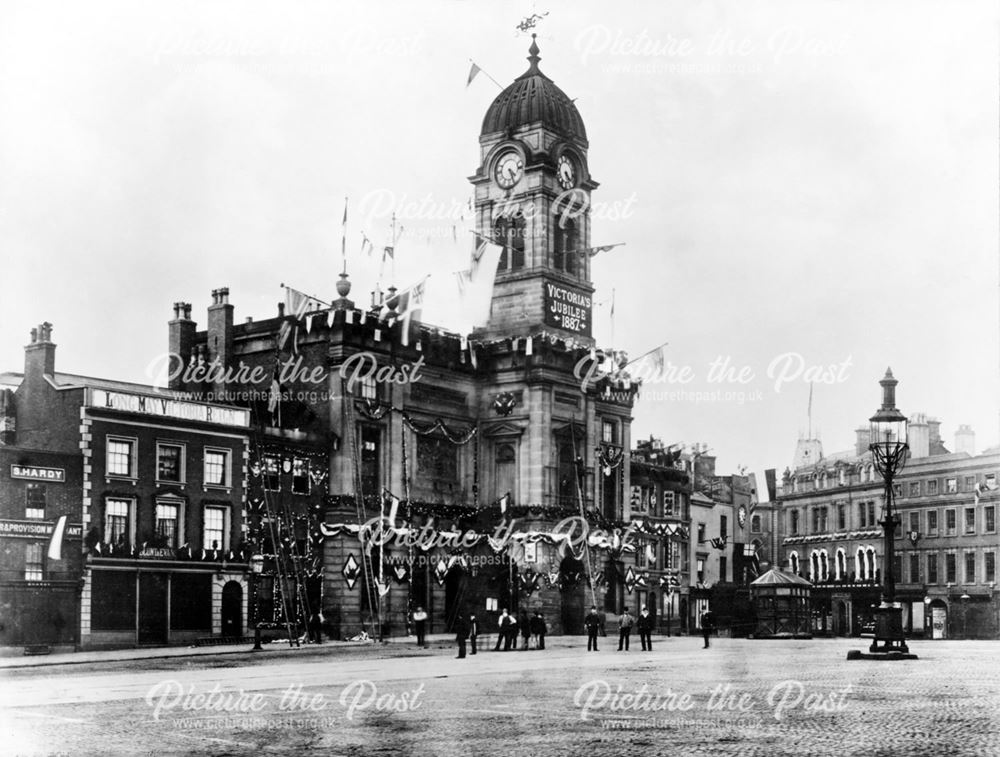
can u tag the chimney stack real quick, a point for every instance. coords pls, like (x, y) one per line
(919, 436)
(40, 355)
(180, 342)
(934, 429)
(220, 332)
(965, 439)
(863, 439)
(8, 417)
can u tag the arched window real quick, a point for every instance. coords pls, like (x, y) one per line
(793, 562)
(859, 564)
(822, 480)
(824, 566)
(814, 570)
(509, 232)
(564, 254)
(841, 565)
(871, 564)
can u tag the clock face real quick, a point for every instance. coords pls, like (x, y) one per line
(567, 174)
(742, 515)
(509, 169)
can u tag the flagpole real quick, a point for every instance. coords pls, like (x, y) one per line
(648, 352)
(381, 564)
(343, 237)
(612, 316)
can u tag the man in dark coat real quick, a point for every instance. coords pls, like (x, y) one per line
(473, 633)
(624, 629)
(593, 624)
(707, 625)
(461, 629)
(538, 630)
(504, 624)
(420, 624)
(644, 624)
(525, 623)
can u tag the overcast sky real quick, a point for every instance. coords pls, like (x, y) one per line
(796, 184)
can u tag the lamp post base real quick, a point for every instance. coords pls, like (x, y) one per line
(888, 631)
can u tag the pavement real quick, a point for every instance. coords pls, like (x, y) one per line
(738, 698)
(275, 647)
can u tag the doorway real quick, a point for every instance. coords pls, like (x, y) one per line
(232, 609)
(153, 608)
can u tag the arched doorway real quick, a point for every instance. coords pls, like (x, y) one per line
(843, 624)
(232, 609)
(939, 619)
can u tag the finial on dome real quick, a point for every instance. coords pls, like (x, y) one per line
(533, 57)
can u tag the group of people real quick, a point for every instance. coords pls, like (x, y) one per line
(644, 624)
(529, 627)
(467, 629)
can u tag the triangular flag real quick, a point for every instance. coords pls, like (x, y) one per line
(472, 74)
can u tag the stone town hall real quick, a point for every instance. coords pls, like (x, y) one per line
(496, 429)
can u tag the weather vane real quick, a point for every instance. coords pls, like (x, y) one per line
(530, 22)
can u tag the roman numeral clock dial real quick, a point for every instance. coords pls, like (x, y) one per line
(509, 169)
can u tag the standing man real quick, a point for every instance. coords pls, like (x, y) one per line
(707, 625)
(503, 631)
(461, 633)
(593, 624)
(624, 629)
(525, 624)
(420, 624)
(645, 625)
(473, 633)
(538, 630)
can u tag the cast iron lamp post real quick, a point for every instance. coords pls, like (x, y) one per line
(889, 450)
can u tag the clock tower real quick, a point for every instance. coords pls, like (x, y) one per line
(532, 197)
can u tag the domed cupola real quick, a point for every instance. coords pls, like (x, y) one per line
(533, 98)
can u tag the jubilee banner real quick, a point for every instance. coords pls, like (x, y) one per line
(568, 308)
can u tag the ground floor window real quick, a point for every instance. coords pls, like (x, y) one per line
(112, 604)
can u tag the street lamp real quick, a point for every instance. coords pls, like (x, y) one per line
(889, 450)
(965, 614)
(256, 569)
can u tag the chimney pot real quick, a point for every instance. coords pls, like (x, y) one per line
(187, 310)
(281, 310)
(34, 335)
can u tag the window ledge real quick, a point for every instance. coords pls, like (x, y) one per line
(130, 479)
(217, 488)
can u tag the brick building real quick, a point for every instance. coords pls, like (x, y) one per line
(153, 482)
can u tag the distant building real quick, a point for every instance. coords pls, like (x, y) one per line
(828, 528)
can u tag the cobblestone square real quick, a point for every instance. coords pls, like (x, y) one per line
(737, 697)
